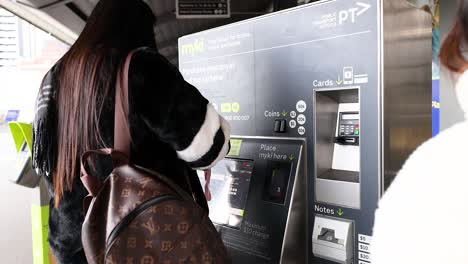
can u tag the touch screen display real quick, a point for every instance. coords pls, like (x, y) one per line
(229, 187)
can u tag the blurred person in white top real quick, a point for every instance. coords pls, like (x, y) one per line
(423, 216)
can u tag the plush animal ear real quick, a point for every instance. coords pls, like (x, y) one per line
(461, 90)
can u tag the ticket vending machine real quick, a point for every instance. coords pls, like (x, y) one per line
(351, 79)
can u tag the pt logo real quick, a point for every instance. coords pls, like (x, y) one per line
(352, 13)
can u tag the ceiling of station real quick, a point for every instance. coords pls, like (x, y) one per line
(169, 28)
(73, 14)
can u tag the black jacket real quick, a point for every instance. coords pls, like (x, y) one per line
(174, 130)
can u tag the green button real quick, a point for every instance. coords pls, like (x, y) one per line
(235, 147)
(235, 107)
(226, 108)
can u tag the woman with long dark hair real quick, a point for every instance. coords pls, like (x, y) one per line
(174, 128)
(423, 216)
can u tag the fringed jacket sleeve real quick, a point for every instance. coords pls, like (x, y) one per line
(45, 127)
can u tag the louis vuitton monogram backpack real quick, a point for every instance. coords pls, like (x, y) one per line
(137, 216)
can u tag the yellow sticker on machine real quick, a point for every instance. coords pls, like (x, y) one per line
(235, 147)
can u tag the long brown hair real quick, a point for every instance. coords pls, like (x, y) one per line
(86, 76)
(451, 54)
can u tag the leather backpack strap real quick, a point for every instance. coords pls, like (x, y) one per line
(122, 137)
(91, 182)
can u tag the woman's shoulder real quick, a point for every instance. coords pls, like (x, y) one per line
(149, 63)
(429, 190)
(146, 52)
(149, 55)
(51, 73)
(440, 159)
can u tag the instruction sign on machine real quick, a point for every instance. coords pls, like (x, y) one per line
(203, 9)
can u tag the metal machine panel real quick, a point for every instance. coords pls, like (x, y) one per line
(406, 81)
(262, 74)
(258, 200)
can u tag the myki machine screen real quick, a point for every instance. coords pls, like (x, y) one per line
(229, 187)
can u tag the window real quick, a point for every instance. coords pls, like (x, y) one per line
(26, 54)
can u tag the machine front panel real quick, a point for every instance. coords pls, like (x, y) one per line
(265, 82)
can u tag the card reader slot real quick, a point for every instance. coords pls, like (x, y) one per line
(276, 183)
(347, 140)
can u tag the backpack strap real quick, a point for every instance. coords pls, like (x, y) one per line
(91, 182)
(122, 137)
(120, 154)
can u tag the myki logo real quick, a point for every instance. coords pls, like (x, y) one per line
(352, 13)
(192, 49)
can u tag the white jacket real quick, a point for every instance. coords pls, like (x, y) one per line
(423, 216)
